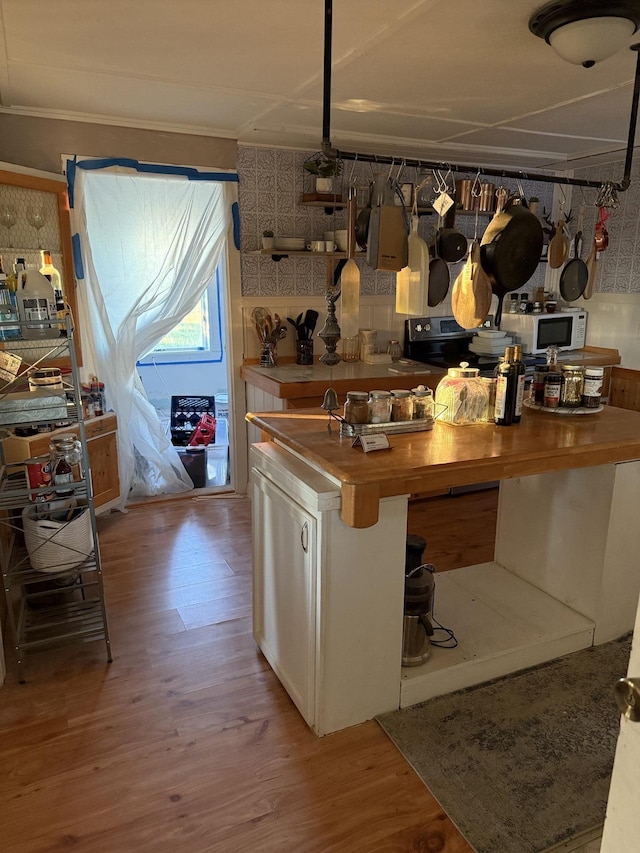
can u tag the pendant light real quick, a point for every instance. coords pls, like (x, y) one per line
(350, 278)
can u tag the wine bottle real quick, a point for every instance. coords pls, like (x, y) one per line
(520, 371)
(506, 389)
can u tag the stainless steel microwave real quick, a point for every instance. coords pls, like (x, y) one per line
(564, 329)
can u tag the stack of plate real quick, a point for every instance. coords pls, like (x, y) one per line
(490, 342)
(290, 244)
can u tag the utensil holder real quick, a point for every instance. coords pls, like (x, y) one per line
(304, 352)
(268, 356)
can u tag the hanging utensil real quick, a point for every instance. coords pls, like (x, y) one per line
(471, 293)
(350, 278)
(592, 270)
(412, 282)
(362, 221)
(439, 279)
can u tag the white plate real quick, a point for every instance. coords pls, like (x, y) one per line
(290, 244)
(491, 333)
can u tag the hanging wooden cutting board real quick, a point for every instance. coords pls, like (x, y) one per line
(558, 247)
(471, 295)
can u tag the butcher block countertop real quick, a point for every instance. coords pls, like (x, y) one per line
(290, 381)
(451, 456)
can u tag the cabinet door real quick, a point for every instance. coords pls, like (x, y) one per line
(103, 459)
(284, 598)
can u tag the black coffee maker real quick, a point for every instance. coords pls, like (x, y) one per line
(419, 586)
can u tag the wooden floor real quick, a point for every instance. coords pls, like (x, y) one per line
(187, 742)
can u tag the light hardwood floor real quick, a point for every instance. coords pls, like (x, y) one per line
(188, 742)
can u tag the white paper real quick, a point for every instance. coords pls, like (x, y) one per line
(442, 204)
(375, 441)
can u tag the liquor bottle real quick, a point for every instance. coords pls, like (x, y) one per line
(506, 389)
(520, 368)
(49, 271)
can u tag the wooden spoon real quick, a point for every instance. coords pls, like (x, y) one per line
(592, 267)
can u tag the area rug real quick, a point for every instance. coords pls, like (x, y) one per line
(521, 763)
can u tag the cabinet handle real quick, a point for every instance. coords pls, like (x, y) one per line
(304, 537)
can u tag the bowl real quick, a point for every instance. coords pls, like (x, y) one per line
(490, 333)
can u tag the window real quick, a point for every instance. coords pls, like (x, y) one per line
(197, 338)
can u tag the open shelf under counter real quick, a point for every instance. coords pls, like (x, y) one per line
(502, 624)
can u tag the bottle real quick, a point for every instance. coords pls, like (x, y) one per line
(506, 389)
(394, 350)
(36, 304)
(8, 310)
(520, 369)
(97, 398)
(51, 273)
(514, 302)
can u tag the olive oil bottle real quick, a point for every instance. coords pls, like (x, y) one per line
(506, 389)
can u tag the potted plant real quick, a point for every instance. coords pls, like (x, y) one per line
(325, 169)
(267, 240)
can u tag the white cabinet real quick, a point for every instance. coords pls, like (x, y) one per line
(284, 590)
(327, 600)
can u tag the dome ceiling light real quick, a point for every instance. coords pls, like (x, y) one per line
(584, 32)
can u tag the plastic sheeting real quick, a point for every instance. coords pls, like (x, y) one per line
(149, 245)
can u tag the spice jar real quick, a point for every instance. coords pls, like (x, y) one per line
(592, 388)
(422, 403)
(379, 407)
(572, 382)
(66, 453)
(401, 405)
(356, 408)
(552, 390)
(540, 371)
(463, 396)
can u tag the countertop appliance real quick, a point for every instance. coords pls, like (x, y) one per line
(442, 342)
(564, 329)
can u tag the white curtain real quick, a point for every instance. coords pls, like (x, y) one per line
(149, 246)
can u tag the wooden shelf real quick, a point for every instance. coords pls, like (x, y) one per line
(283, 253)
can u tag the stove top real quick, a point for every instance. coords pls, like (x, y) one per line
(441, 341)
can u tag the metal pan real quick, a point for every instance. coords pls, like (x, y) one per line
(575, 274)
(439, 279)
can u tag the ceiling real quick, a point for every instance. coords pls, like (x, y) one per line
(453, 80)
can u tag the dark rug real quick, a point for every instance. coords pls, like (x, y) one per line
(522, 762)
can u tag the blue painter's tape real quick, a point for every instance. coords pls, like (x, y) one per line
(235, 215)
(157, 169)
(71, 179)
(77, 257)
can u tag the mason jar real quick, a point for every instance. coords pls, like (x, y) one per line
(379, 407)
(356, 408)
(573, 380)
(401, 405)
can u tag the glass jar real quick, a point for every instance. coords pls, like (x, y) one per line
(552, 390)
(514, 302)
(573, 380)
(394, 350)
(379, 407)
(592, 388)
(537, 383)
(423, 405)
(401, 405)
(490, 383)
(356, 408)
(464, 397)
(66, 455)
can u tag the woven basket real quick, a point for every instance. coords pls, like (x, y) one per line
(56, 546)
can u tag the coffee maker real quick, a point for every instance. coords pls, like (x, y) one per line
(419, 587)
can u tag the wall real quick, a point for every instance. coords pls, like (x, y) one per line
(39, 143)
(272, 181)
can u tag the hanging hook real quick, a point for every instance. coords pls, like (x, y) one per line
(353, 168)
(563, 198)
(393, 161)
(476, 186)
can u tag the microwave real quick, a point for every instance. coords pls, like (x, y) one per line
(564, 329)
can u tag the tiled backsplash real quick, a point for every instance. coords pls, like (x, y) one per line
(22, 238)
(271, 183)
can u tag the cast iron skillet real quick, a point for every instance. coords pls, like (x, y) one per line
(510, 251)
(575, 275)
(439, 279)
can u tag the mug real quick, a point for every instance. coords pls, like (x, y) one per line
(330, 246)
(342, 239)
(315, 246)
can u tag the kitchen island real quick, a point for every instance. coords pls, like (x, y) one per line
(329, 551)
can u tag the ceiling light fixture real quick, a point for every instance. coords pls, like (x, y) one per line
(585, 32)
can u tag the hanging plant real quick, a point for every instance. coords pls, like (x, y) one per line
(322, 166)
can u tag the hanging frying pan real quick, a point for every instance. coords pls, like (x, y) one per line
(575, 274)
(510, 250)
(362, 222)
(439, 278)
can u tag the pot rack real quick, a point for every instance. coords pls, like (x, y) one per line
(332, 153)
